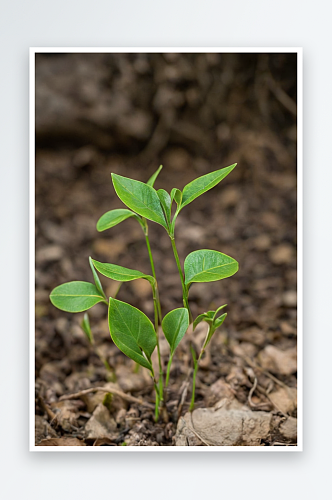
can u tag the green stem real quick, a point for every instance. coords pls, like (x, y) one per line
(161, 385)
(168, 369)
(157, 309)
(156, 410)
(184, 288)
(117, 291)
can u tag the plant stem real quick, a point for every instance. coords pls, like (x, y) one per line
(156, 410)
(161, 385)
(168, 369)
(195, 360)
(194, 387)
(153, 270)
(184, 288)
(157, 309)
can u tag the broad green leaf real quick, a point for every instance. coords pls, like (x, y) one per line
(96, 279)
(202, 266)
(132, 332)
(86, 327)
(219, 321)
(166, 203)
(75, 296)
(114, 217)
(119, 273)
(176, 195)
(153, 177)
(140, 197)
(202, 184)
(175, 325)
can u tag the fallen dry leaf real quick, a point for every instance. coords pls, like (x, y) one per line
(277, 361)
(101, 424)
(289, 428)
(284, 399)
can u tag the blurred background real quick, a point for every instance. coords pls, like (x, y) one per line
(192, 113)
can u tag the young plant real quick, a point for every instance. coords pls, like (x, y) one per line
(131, 330)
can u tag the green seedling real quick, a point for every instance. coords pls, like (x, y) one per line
(131, 330)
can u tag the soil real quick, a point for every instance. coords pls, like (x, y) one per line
(193, 113)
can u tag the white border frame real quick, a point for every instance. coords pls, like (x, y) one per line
(33, 52)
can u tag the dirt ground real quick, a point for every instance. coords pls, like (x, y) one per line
(193, 113)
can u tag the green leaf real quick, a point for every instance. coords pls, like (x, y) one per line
(75, 296)
(176, 195)
(86, 327)
(114, 217)
(219, 321)
(202, 184)
(202, 317)
(153, 177)
(175, 325)
(119, 273)
(132, 332)
(96, 279)
(219, 309)
(140, 197)
(166, 203)
(203, 266)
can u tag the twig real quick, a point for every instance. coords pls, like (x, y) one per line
(260, 406)
(251, 392)
(268, 374)
(123, 395)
